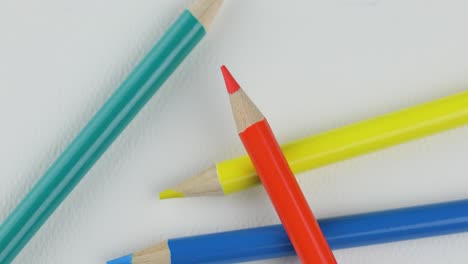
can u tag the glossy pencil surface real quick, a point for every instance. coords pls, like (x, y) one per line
(340, 232)
(277, 178)
(100, 132)
(340, 144)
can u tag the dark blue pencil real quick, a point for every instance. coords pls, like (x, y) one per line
(341, 232)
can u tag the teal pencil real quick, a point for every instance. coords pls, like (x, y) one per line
(49, 192)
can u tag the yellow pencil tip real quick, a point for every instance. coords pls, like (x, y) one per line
(168, 194)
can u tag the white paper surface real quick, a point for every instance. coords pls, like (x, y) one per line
(323, 63)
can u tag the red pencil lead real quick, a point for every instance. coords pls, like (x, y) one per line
(231, 83)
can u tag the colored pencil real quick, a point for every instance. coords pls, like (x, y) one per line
(238, 174)
(104, 128)
(277, 178)
(341, 232)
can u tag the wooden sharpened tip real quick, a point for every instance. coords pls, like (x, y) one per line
(205, 11)
(158, 254)
(244, 110)
(206, 183)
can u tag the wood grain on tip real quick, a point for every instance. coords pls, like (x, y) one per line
(160, 254)
(244, 110)
(206, 183)
(205, 11)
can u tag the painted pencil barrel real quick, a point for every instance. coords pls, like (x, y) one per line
(286, 195)
(341, 232)
(98, 135)
(350, 141)
(278, 180)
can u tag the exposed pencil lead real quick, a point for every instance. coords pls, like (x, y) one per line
(231, 83)
(169, 194)
(123, 260)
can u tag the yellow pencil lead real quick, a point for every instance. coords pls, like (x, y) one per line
(169, 193)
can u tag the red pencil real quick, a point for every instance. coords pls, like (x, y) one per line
(277, 177)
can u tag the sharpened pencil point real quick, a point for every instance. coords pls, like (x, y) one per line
(169, 193)
(205, 11)
(123, 260)
(231, 83)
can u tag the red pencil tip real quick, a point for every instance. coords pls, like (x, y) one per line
(231, 83)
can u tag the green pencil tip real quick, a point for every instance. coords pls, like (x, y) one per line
(169, 194)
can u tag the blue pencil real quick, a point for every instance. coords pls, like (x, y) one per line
(341, 232)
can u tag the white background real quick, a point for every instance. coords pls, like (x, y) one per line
(310, 65)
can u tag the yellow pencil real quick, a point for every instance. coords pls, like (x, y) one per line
(237, 174)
